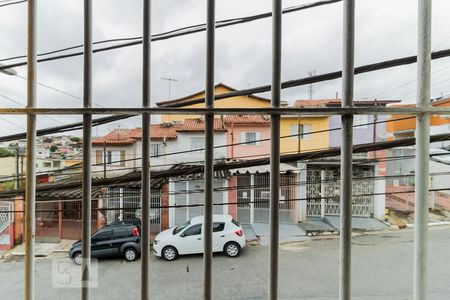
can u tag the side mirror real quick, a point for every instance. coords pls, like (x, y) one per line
(182, 235)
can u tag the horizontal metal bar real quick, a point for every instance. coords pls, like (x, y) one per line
(325, 111)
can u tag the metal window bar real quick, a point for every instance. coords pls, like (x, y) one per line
(209, 151)
(422, 111)
(422, 151)
(30, 194)
(275, 149)
(87, 147)
(145, 185)
(347, 152)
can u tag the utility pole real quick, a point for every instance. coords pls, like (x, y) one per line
(170, 84)
(104, 159)
(311, 86)
(17, 155)
(375, 120)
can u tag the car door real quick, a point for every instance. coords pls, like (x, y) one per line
(190, 240)
(101, 243)
(121, 235)
(219, 238)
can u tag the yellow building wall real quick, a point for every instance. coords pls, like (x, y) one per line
(317, 141)
(234, 102)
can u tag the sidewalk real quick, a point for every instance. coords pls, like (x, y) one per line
(41, 249)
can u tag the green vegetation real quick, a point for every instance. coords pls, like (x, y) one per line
(5, 152)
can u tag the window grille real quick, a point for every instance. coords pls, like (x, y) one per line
(422, 111)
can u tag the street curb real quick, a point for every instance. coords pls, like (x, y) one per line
(442, 223)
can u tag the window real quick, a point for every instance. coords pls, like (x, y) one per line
(104, 235)
(156, 149)
(113, 157)
(47, 164)
(301, 130)
(120, 233)
(360, 120)
(193, 230)
(217, 227)
(251, 138)
(197, 143)
(57, 164)
(180, 228)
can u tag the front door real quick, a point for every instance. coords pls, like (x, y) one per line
(102, 243)
(191, 240)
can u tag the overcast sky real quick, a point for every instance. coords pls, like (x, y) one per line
(386, 29)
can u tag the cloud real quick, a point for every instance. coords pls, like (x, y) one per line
(312, 40)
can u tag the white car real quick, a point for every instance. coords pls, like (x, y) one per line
(228, 237)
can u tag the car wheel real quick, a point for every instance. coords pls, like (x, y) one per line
(130, 254)
(232, 249)
(169, 253)
(77, 258)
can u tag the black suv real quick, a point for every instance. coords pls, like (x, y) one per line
(117, 240)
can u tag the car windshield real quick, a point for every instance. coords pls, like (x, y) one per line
(177, 229)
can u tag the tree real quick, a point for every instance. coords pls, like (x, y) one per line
(5, 153)
(53, 148)
(75, 139)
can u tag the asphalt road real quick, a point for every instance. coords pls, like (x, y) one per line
(382, 269)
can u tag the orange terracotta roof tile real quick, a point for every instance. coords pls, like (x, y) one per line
(246, 120)
(337, 102)
(192, 125)
(115, 137)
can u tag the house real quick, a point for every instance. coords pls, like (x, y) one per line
(190, 101)
(248, 136)
(120, 151)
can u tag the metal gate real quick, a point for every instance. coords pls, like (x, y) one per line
(191, 193)
(253, 197)
(125, 203)
(6, 220)
(322, 191)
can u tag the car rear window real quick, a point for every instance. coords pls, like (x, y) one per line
(217, 227)
(120, 233)
(235, 222)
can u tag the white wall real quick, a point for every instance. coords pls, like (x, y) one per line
(114, 170)
(170, 146)
(184, 143)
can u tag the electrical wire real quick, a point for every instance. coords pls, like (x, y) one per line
(176, 32)
(225, 146)
(226, 203)
(224, 166)
(11, 3)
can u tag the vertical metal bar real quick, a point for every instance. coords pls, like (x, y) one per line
(346, 153)
(30, 192)
(422, 151)
(145, 176)
(87, 147)
(275, 149)
(209, 151)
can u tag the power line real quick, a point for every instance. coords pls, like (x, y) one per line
(23, 105)
(11, 3)
(174, 33)
(261, 89)
(237, 165)
(224, 203)
(226, 146)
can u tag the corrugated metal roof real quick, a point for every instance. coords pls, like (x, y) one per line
(284, 168)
